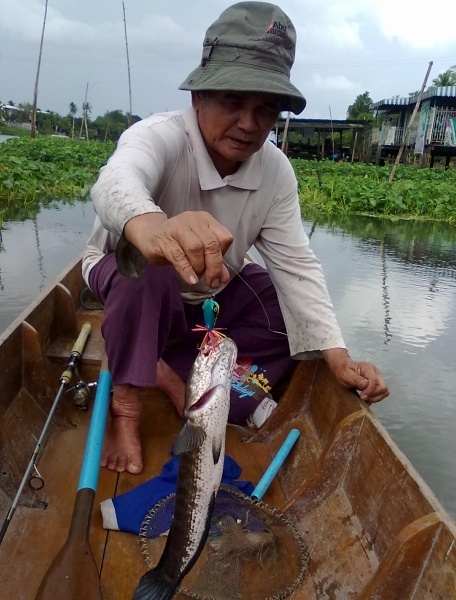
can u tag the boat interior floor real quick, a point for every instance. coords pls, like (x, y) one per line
(337, 486)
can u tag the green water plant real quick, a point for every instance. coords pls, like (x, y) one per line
(344, 188)
(38, 171)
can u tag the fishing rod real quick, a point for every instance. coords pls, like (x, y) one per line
(65, 379)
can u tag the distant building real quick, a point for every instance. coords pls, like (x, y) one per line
(320, 138)
(14, 116)
(432, 133)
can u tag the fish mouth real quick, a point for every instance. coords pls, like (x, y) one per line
(202, 401)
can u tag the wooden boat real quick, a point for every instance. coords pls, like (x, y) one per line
(373, 527)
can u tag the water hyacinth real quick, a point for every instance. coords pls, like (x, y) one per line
(36, 172)
(344, 188)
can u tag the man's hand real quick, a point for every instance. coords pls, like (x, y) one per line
(193, 242)
(363, 376)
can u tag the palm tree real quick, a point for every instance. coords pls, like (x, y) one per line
(73, 112)
(447, 78)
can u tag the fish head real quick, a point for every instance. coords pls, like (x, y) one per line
(213, 368)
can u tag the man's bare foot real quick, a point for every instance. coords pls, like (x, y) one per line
(122, 446)
(172, 384)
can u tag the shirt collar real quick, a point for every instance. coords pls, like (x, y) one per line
(247, 177)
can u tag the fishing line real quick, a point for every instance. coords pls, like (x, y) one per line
(257, 297)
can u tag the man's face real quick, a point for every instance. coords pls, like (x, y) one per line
(234, 125)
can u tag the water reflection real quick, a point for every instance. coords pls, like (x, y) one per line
(36, 248)
(394, 290)
(385, 295)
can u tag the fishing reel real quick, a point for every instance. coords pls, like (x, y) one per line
(81, 392)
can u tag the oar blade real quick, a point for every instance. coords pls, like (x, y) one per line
(73, 575)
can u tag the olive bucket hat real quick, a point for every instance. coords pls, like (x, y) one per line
(250, 48)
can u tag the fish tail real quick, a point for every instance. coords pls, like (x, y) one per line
(154, 585)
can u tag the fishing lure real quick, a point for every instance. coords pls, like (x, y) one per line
(213, 334)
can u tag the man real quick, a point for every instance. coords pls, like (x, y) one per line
(181, 201)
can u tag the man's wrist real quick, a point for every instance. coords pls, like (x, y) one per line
(335, 356)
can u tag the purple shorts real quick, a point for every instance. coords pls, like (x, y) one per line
(145, 319)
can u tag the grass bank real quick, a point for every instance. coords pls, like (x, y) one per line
(343, 188)
(34, 172)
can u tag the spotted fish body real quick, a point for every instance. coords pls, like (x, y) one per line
(201, 446)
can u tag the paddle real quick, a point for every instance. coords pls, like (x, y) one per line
(73, 573)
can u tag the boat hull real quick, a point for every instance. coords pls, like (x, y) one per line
(372, 526)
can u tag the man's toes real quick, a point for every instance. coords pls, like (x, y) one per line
(121, 464)
(112, 464)
(134, 467)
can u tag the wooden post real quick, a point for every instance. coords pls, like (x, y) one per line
(284, 147)
(409, 126)
(354, 146)
(35, 95)
(84, 114)
(129, 116)
(332, 132)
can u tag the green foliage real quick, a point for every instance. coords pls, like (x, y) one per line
(446, 78)
(365, 190)
(360, 109)
(37, 171)
(17, 131)
(112, 125)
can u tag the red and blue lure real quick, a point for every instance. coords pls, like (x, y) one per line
(212, 334)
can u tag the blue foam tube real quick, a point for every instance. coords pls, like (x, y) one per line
(275, 465)
(91, 464)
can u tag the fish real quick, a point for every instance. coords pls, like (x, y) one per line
(201, 449)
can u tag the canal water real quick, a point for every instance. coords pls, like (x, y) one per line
(393, 286)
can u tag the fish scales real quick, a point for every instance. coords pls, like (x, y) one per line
(201, 449)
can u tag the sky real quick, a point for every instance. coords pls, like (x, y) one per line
(344, 48)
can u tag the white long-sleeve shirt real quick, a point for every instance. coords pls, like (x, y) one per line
(162, 164)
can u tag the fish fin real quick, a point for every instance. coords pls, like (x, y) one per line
(154, 585)
(216, 450)
(189, 438)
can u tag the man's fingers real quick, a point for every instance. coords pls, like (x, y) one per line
(204, 244)
(213, 260)
(193, 242)
(374, 388)
(176, 256)
(375, 391)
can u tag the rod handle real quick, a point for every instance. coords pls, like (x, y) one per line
(275, 465)
(82, 339)
(76, 353)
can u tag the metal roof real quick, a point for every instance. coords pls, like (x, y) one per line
(432, 92)
(322, 124)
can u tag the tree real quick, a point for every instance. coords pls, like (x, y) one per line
(112, 125)
(446, 78)
(72, 113)
(360, 110)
